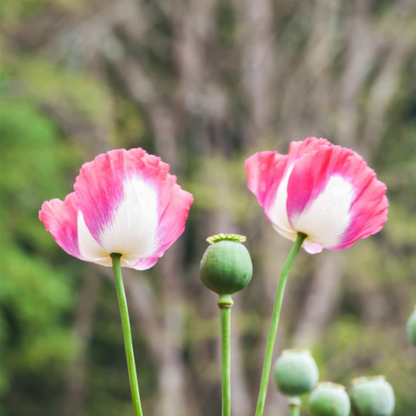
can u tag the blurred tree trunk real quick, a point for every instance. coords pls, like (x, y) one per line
(172, 373)
(321, 300)
(259, 64)
(76, 387)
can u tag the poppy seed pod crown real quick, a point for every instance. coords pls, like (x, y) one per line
(226, 266)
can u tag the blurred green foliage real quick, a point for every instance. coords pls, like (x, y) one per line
(36, 296)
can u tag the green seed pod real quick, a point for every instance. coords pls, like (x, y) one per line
(329, 399)
(226, 266)
(411, 328)
(372, 396)
(295, 372)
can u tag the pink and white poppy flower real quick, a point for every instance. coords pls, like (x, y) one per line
(324, 191)
(124, 202)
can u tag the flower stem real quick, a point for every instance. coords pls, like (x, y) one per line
(274, 323)
(294, 406)
(225, 359)
(122, 301)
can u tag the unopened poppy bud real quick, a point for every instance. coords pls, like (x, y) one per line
(411, 328)
(372, 396)
(295, 372)
(226, 266)
(329, 399)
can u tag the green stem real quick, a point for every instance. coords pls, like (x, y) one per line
(128, 343)
(274, 323)
(294, 406)
(294, 410)
(225, 359)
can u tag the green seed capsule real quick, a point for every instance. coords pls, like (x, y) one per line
(411, 328)
(329, 399)
(372, 396)
(295, 372)
(226, 266)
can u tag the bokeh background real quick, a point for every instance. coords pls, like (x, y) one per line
(203, 84)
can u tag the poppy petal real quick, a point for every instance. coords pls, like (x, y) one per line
(131, 204)
(323, 189)
(60, 219)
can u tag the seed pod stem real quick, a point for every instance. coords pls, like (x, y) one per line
(294, 406)
(225, 360)
(225, 301)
